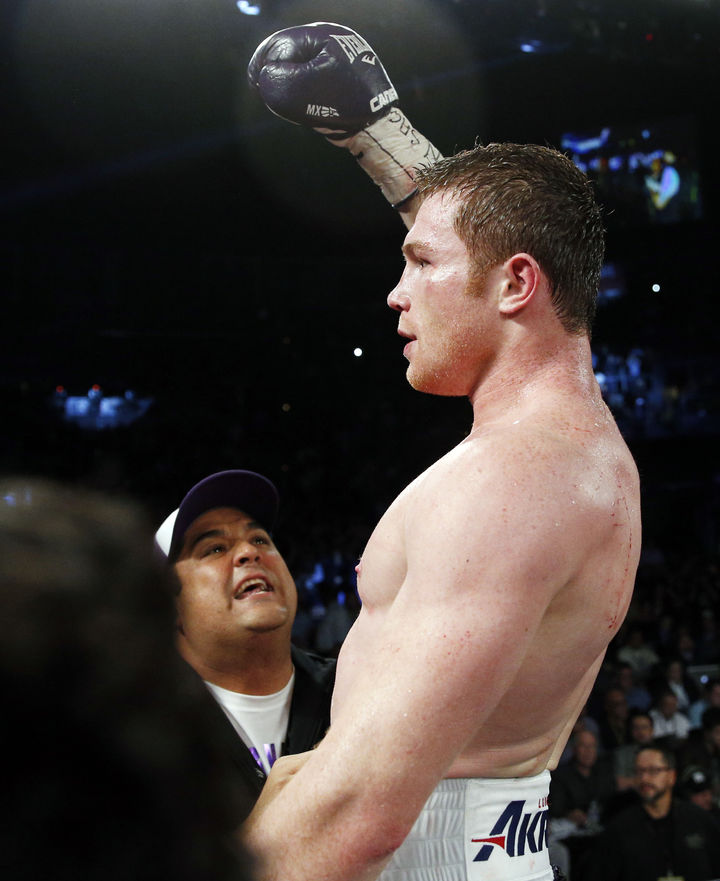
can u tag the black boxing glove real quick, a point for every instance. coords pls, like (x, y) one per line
(321, 74)
(327, 77)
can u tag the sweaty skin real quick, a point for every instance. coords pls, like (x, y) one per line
(492, 585)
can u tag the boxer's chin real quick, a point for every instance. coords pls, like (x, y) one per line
(433, 382)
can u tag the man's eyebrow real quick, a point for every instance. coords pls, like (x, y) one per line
(414, 245)
(209, 533)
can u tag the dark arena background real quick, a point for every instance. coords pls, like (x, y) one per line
(191, 284)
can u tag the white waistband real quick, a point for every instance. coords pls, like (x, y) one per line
(478, 829)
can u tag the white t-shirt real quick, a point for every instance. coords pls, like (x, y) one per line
(261, 720)
(677, 726)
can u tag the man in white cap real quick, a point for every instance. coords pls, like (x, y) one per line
(235, 609)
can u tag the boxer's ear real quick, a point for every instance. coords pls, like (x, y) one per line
(522, 278)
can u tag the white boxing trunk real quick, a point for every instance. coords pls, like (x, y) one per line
(478, 830)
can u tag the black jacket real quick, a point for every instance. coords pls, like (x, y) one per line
(570, 790)
(633, 848)
(308, 722)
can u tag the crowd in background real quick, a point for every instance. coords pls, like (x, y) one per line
(653, 396)
(659, 685)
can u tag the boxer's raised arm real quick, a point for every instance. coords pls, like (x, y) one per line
(327, 77)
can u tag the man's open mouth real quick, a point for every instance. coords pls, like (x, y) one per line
(252, 586)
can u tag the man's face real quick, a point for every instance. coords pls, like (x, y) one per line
(234, 582)
(451, 329)
(585, 749)
(616, 704)
(653, 778)
(641, 730)
(668, 705)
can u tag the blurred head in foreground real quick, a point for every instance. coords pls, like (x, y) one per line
(111, 772)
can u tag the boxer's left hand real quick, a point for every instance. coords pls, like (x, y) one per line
(321, 75)
(327, 77)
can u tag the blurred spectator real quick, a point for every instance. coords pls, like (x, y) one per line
(641, 656)
(112, 775)
(695, 786)
(584, 722)
(636, 695)
(707, 644)
(640, 734)
(673, 676)
(579, 793)
(685, 646)
(580, 789)
(340, 613)
(303, 629)
(662, 836)
(702, 748)
(666, 635)
(709, 698)
(668, 721)
(613, 720)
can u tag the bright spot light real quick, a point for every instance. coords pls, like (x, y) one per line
(247, 8)
(656, 288)
(527, 47)
(286, 408)
(358, 352)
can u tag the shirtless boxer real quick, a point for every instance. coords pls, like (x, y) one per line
(493, 584)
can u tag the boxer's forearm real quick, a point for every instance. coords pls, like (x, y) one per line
(390, 151)
(305, 833)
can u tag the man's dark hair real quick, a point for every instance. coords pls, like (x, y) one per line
(532, 199)
(664, 750)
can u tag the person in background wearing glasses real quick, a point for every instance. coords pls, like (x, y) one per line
(661, 838)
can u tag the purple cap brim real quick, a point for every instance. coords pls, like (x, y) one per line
(245, 490)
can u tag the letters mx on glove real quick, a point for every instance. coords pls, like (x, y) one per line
(321, 75)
